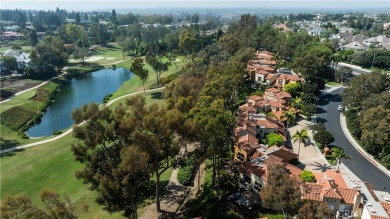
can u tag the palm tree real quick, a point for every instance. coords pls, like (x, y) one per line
(339, 154)
(290, 116)
(302, 137)
(297, 103)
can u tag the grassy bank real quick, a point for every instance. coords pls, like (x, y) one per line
(24, 110)
(52, 166)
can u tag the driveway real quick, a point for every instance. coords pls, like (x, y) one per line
(363, 168)
(309, 155)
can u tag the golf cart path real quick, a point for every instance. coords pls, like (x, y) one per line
(71, 129)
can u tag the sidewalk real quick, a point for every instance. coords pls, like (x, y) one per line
(310, 156)
(351, 139)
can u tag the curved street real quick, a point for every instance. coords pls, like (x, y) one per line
(328, 114)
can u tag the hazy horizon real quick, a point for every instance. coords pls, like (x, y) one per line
(88, 5)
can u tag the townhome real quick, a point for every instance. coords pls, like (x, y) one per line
(262, 71)
(331, 188)
(253, 176)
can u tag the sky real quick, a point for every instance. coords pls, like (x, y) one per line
(88, 5)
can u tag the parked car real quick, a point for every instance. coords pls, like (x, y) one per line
(340, 108)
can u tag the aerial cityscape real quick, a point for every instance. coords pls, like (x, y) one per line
(195, 109)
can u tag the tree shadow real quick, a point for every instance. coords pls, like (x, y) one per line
(11, 153)
(320, 110)
(157, 95)
(5, 143)
(320, 167)
(321, 120)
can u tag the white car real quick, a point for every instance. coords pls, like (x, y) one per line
(340, 108)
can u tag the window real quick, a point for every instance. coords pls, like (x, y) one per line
(258, 186)
(240, 157)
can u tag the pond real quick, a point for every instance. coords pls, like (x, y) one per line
(91, 88)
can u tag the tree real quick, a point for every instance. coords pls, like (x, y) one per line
(375, 131)
(323, 137)
(80, 53)
(137, 67)
(155, 135)
(21, 206)
(32, 37)
(158, 66)
(9, 63)
(302, 137)
(307, 176)
(188, 41)
(343, 73)
(318, 127)
(230, 43)
(75, 32)
(213, 123)
(113, 17)
(290, 116)
(338, 154)
(314, 210)
(363, 86)
(275, 139)
(293, 88)
(309, 109)
(297, 103)
(114, 165)
(171, 39)
(49, 54)
(282, 190)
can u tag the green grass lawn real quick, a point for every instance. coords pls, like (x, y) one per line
(24, 48)
(52, 166)
(332, 83)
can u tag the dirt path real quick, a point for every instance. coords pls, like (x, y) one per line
(71, 129)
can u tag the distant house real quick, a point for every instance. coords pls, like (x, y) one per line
(378, 41)
(40, 35)
(355, 45)
(10, 35)
(70, 20)
(22, 58)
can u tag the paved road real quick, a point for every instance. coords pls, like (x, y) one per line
(328, 114)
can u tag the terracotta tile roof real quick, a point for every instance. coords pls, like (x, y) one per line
(272, 90)
(255, 98)
(311, 191)
(283, 152)
(332, 193)
(294, 171)
(348, 195)
(378, 217)
(386, 206)
(332, 185)
(269, 76)
(267, 122)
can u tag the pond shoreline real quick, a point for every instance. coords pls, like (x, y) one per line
(59, 117)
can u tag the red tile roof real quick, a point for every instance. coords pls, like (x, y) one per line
(386, 206)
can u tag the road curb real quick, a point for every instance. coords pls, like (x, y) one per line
(352, 140)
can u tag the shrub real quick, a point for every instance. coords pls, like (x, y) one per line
(323, 137)
(275, 139)
(187, 171)
(107, 98)
(17, 118)
(307, 176)
(23, 135)
(57, 132)
(167, 80)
